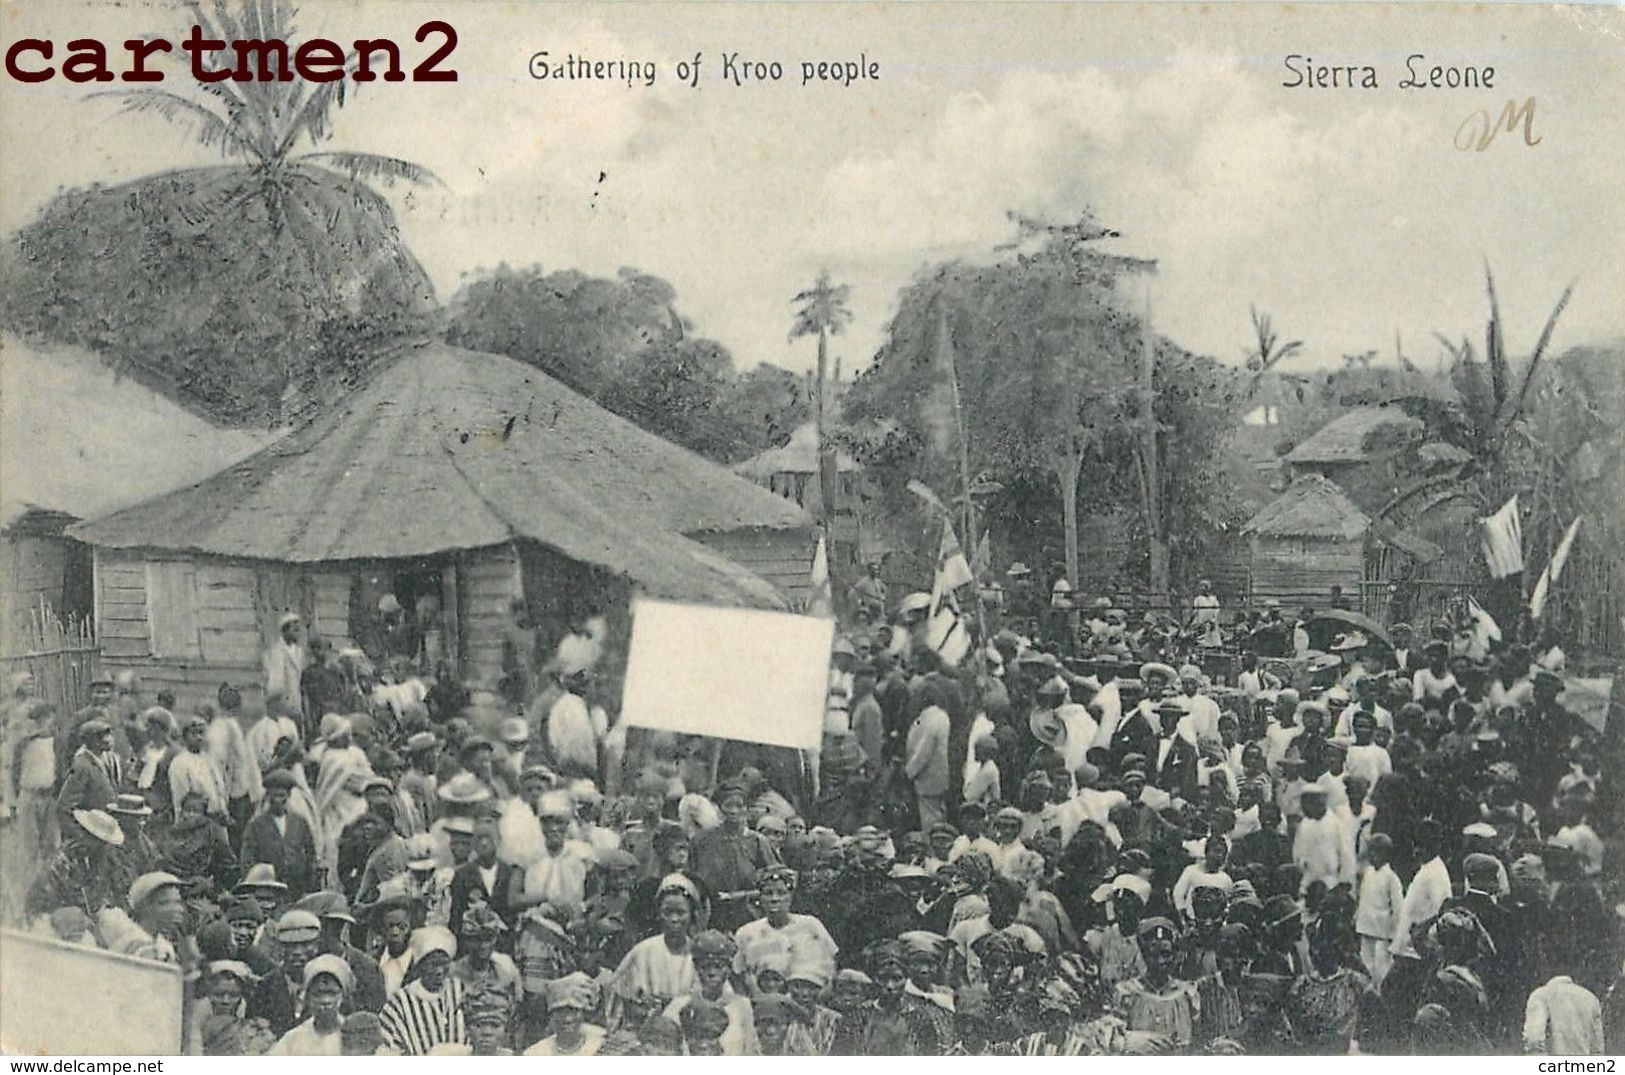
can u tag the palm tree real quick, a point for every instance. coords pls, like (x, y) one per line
(822, 312)
(249, 289)
(1486, 416)
(263, 123)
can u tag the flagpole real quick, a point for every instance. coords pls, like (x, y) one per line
(964, 468)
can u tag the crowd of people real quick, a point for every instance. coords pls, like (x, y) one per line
(1088, 837)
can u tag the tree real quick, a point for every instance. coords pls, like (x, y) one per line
(620, 342)
(821, 311)
(1049, 359)
(246, 289)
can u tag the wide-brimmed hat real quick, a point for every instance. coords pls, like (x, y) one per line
(420, 852)
(100, 824)
(1018, 569)
(260, 875)
(464, 789)
(148, 883)
(327, 905)
(1321, 662)
(1157, 669)
(130, 806)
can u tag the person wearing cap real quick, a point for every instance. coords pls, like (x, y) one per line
(891, 1022)
(369, 991)
(661, 967)
(284, 664)
(94, 774)
(157, 916)
(812, 1024)
(278, 996)
(779, 934)
(325, 984)
(714, 954)
(428, 1009)
(138, 854)
(479, 966)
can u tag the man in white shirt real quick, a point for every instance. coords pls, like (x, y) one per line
(1377, 912)
(285, 664)
(1563, 1018)
(1203, 721)
(1320, 849)
(1427, 892)
(1364, 758)
(1279, 736)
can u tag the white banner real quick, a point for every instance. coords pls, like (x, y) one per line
(761, 677)
(61, 999)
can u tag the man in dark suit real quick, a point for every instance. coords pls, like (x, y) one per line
(282, 839)
(93, 776)
(482, 879)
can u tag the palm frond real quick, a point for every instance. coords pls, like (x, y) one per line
(210, 128)
(366, 167)
(1495, 347)
(1539, 352)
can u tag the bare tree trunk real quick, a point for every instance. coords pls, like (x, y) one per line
(1068, 471)
(826, 467)
(1155, 524)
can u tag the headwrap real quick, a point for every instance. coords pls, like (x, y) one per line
(713, 944)
(486, 1006)
(924, 942)
(433, 939)
(975, 867)
(1458, 923)
(676, 882)
(773, 1004)
(807, 968)
(776, 872)
(998, 944)
(330, 965)
(236, 968)
(482, 924)
(1057, 996)
(886, 953)
(703, 1018)
(853, 976)
(575, 990)
(1157, 926)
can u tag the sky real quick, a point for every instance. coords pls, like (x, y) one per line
(1348, 215)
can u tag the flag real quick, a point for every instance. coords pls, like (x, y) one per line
(1503, 541)
(953, 571)
(821, 602)
(946, 631)
(1554, 568)
(1485, 629)
(982, 562)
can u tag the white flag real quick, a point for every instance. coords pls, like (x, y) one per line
(1548, 577)
(1503, 541)
(821, 601)
(946, 633)
(1485, 629)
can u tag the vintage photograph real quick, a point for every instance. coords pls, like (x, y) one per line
(811, 529)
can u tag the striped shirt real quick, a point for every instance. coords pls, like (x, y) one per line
(416, 1020)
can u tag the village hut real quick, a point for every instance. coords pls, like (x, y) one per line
(455, 482)
(1312, 537)
(791, 471)
(78, 440)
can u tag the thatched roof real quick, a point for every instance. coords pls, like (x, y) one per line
(1311, 507)
(799, 455)
(78, 440)
(450, 449)
(1344, 438)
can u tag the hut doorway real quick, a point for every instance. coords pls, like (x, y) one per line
(406, 611)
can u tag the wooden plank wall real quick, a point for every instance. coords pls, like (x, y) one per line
(782, 557)
(487, 581)
(34, 567)
(1305, 570)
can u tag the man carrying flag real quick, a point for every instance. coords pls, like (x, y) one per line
(947, 633)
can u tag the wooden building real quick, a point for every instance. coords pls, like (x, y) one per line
(1312, 537)
(463, 478)
(791, 471)
(78, 440)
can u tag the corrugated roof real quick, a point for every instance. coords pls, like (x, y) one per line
(799, 455)
(1344, 438)
(79, 440)
(451, 449)
(1312, 506)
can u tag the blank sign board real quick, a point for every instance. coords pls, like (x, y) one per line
(762, 677)
(58, 999)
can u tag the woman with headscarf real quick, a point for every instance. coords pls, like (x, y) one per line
(713, 954)
(1068, 1006)
(891, 1023)
(1156, 1001)
(661, 967)
(1457, 985)
(427, 1010)
(328, 982)
(341, 778)
(569, 1000)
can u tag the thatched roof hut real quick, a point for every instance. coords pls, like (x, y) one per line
(1313, 537)
(454, 474)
